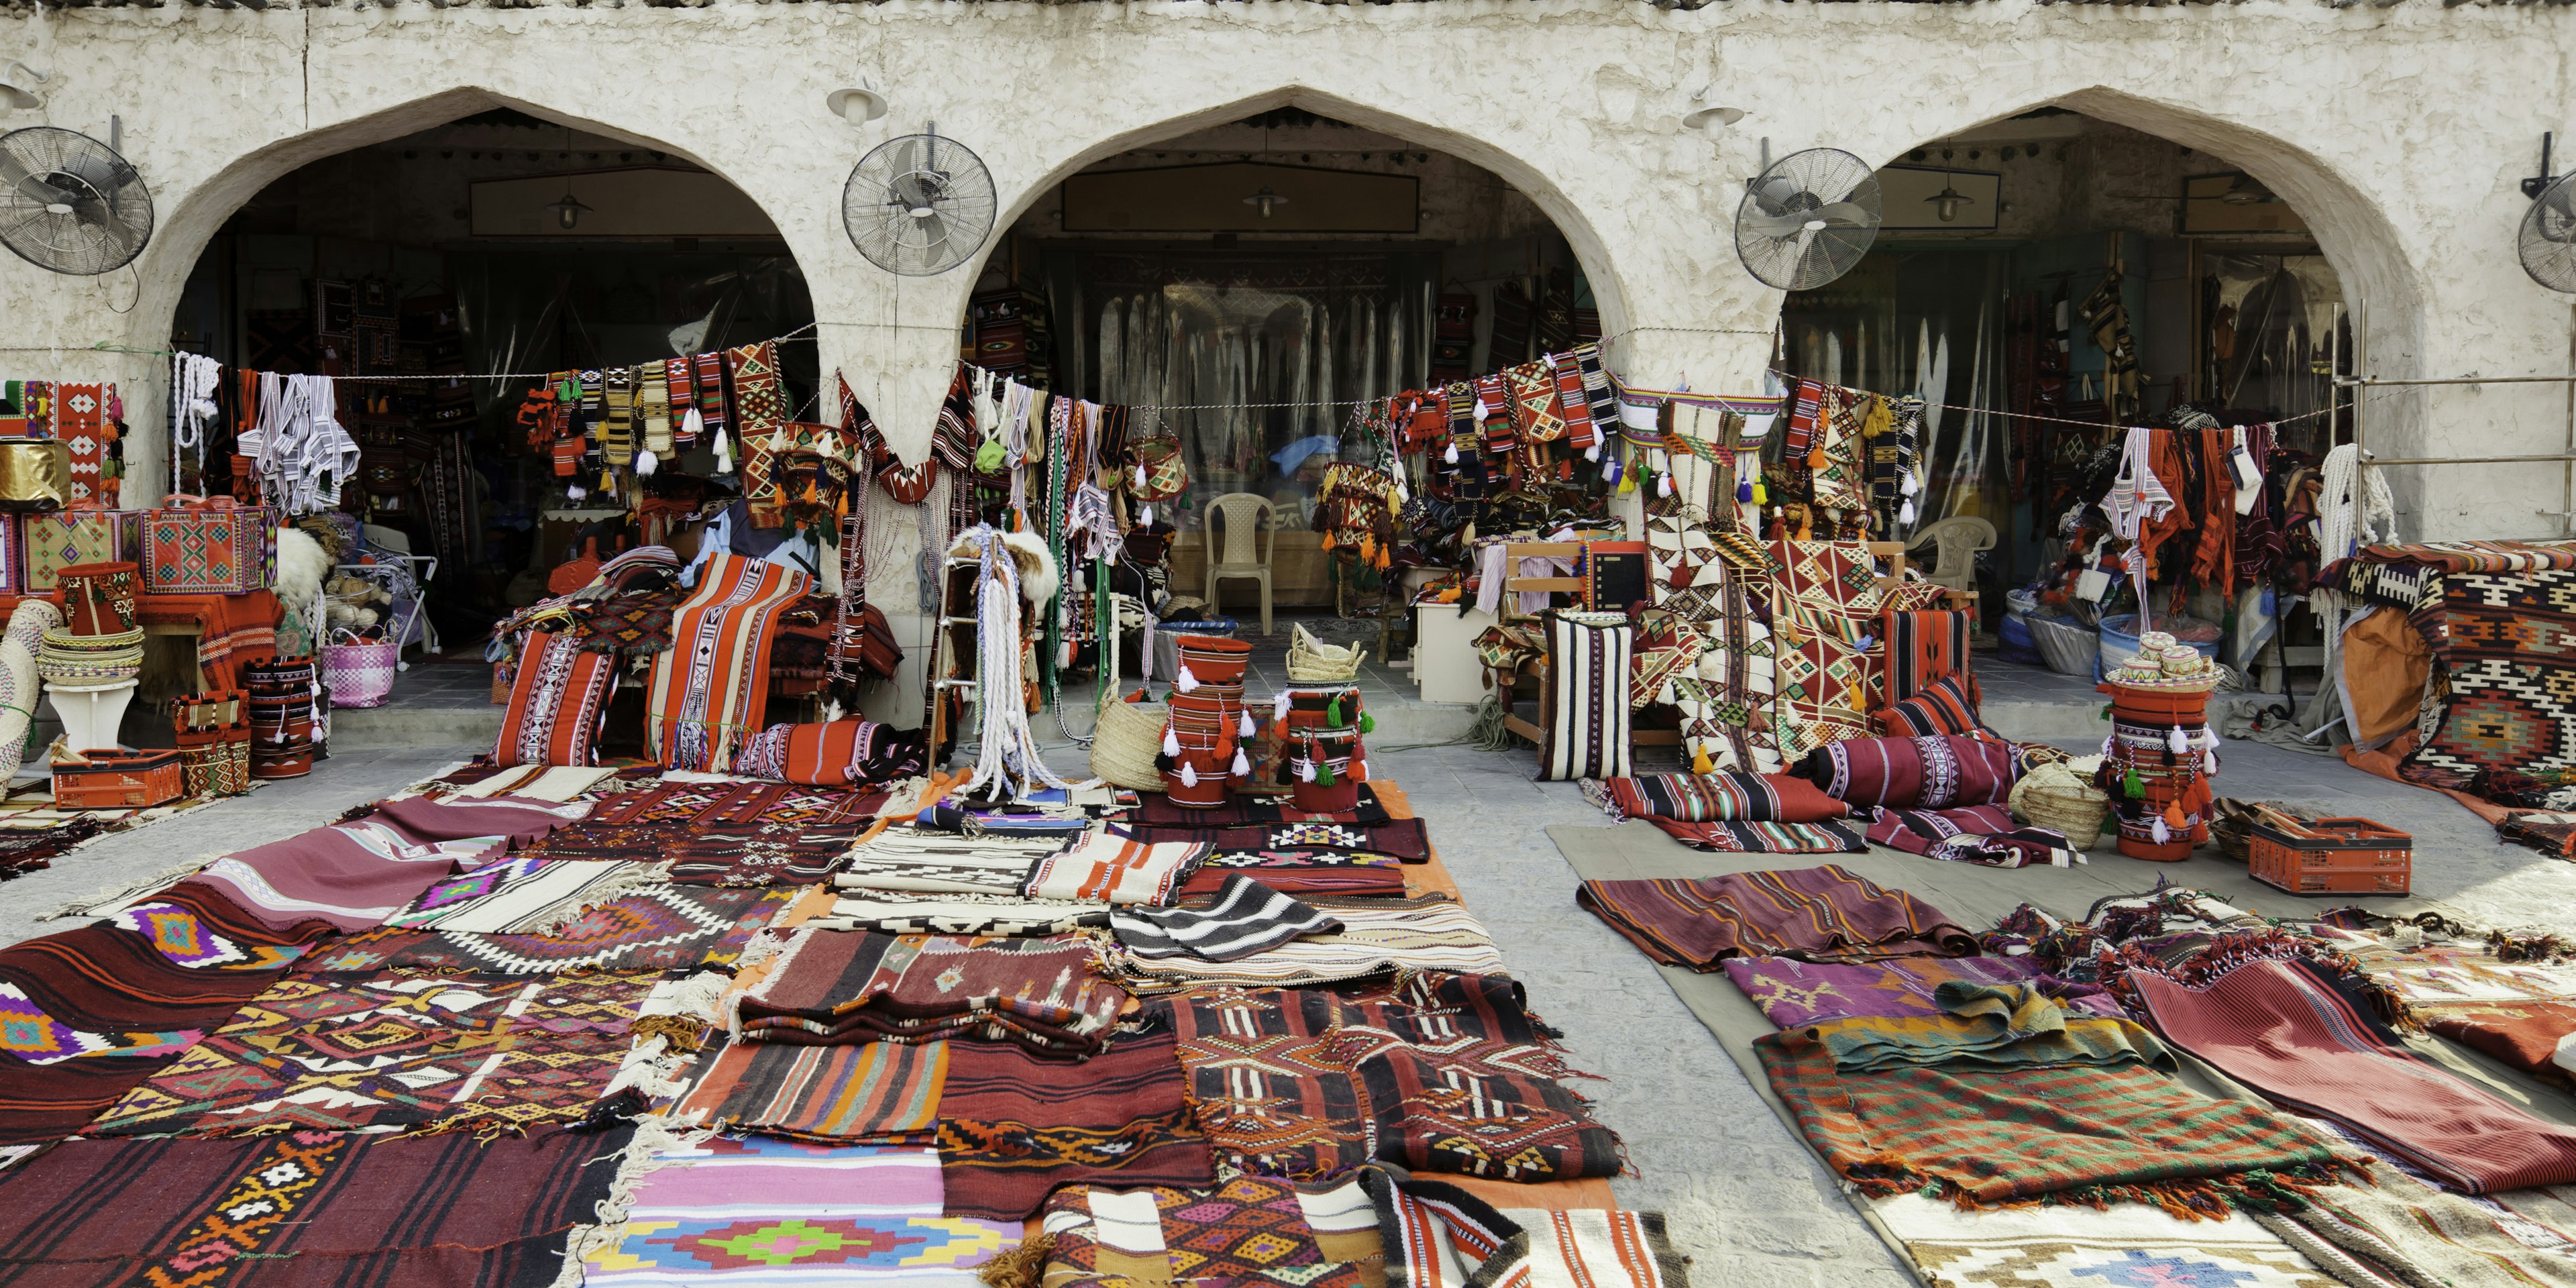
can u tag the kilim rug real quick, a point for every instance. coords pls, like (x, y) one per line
(522, 895)
(1430, 933)
(1820, 914)
(92, 1011)
(1103, 867)
(723, 833)
(758, 1211)
(2082, 1247)
(664, 928)
(833, 986)
(1303, 873)
(1157, 810)
(1795, 993)
(2499, 653)
(1265, 1084)
(2277, 1027)
(303, 1209)
(2081, 1134)
(897, 913)
(1014, 1124)
(931, 862)
(1243, 918)
(354, 875)
(711, 688)
(1250, 1230)
(879, 1091)
(1405, 838)
(2407, 1232)
(394, 1051)
(1588, 714)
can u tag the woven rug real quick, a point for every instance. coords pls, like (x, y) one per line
(762, 1211)
(834, 986)
(1250, 1230)
(885, 1092)
(2081, 1247)
(663, 928)
(522, 895)
(1014, 1125)
(1405, 838)
(357, 874)
(2507, 700)
(394, 1051)
(1825, 914)
(1303, 873)
(1587, 730)
(710, 690)
(1793, 993)
(2280, 1028)
(1431, 933)
(306, 1207)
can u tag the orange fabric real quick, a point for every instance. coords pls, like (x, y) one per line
(2164, 456)
(2386, 665)
(2383, 762)
(2213, 558)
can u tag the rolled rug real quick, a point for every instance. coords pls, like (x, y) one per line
(19, 686)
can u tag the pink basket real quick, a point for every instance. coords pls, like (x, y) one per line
(360, 675)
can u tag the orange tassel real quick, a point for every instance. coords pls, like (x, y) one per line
(1328, 541)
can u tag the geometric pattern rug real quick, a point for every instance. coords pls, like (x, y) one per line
(2505, 644)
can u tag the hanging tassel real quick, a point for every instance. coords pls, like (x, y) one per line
(1743, 491)
(1243, 727)
(1279, 708)
(692, 425)
(1171, 743)
(724, 452)
(2175, 740)
(1186, 682)
(1333, 714)
(2132, 786)
(646, 462)
(1189, 774)
(2209, 763)
(1145, 516)
(1162, 763)
(1816, 458)
(1323, 773)
(1242, 763)
(1140, 478)
(1664, 484)
(1859, 700)
(1306, 771)
(1627, 483)
(1593, 453)
(1368, 723)
(576, 491)
(1911, 485)
(1450, 457)
(1905, 514)
(1701, 764)
(1761, 494)
(1610, 472)
(1667, 695)
(2159, 831)
(607, 481)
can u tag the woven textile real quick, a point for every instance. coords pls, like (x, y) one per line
(2410, 1233)
(1795, 993)
(92, 1011)
(1984, 835)
(895, 913)
(1454, 1109)
(303, 1209)
(663, 928)
(878, 1090)
(2082, 1247)
(924, 861)
(1941, 707)
(1726, 707)
(722, 833)
(1439, 1236)
(1404, 838)
(842, 753)
(1824, 588)
(521, 895)
(2080, 1134)
(2524, 1035)
(1014, 1125)
(1244, 918)
(394, 1051)
(712, 687)
(1765, 838)
(1925, 646)
(1104, 867)
(1158, 810)
(1986, 1026)
(2506, 685)
(2277, 1027)
(1819, 914)
(1936, 771)
(356, 874)
(1664, 649)
(759, 1211)
(1302, 872)
(1587, 677)
(1723, 796)
(1820, 692)
(1250, 1231)
(1377, 935)
(1685, 574)
(833, 986)
(1266, 1086)
(557, 700)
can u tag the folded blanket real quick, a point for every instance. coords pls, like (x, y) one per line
(1765, 838)
(1987, 1026)
(1246, 917)
(833, 986)
(1826, 913)
(1104, 867)
(1981, 834)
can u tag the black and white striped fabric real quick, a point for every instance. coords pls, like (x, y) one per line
(1586, 735)
(1246, 918)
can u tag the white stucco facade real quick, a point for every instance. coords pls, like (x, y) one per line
(2399, 133)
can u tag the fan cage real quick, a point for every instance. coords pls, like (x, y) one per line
(69, 204)
(882, 205)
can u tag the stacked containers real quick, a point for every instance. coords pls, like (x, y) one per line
(281, 716)
(1208, 732)
(1318, 752)
(213, 735)
(2156, 766)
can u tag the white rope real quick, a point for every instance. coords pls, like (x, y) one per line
(192, 407)
(1007, 758)
(2351, 499)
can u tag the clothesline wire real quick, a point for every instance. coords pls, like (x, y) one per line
(2090, 424)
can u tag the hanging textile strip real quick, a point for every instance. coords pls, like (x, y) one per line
(840, 654)
(81, 421)
(680, 394)
(1596, 389)
(653, 407)
(759, 410)
(714, 681)
(714, 405)
(617, 433)
(1801, 438)
(1494, 409)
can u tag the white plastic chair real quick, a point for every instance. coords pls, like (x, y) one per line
(1955, 542)
(1237, 516)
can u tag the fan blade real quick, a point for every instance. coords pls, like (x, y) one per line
(933, 230)
(14, 174)
(1844, 213)
(1775, 225)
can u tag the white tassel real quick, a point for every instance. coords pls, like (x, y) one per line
(1190, 775)
(1306, 770)
(2160, 831)
(1610, 472)
(1186, 682)
(2175, 741)
(1140, 478)
(2209, 737)
(1593, 453)
(1666, 695)
(1911, 485)
(1243, 728)
(1664, 484)
(1362, 770)
(692, 425)
(1451, 456)
(1242, 764)
(576, 491)
(1905, 514)
(646, 462)
(1171, 743)
(1279, 708)
(1145, 516)
(724, 454)
(2209, 763)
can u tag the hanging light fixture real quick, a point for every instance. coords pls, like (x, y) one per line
(1265, 200)
(1945, 203)
(569, 210)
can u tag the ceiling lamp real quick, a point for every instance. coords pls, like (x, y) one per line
(857, 104)
(18, 86)
(2244, 190)
(568, 211)
(1266, 200)
(1708, 116)
(1945, 203)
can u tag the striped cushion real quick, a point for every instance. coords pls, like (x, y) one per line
(1941, 707)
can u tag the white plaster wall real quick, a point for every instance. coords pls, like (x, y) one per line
(2399, 132)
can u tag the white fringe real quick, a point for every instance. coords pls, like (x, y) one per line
(763, 946)
(643, 1156)
(111, 898)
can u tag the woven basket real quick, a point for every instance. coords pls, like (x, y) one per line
(361, 675)
(1312, 661)
(2053, 796)
(1124, 743)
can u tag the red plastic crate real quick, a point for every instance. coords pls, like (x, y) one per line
(2332, 856)
(119, 780)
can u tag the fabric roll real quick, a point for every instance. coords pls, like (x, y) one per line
(1936, 771)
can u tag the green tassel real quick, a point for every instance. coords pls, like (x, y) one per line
(2131, 784)
(1368, 723)
(1323, 773)
(1333, 713)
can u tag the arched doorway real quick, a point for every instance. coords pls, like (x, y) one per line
(498, 242)
(1243, 284)
(2048, 280)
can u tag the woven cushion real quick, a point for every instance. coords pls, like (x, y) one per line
(1942, 707)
